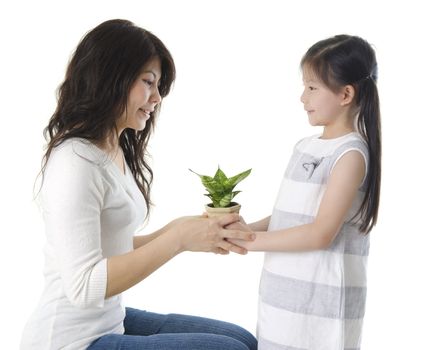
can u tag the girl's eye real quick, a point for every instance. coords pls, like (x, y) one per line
(311, 88)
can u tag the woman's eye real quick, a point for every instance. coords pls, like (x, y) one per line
(148, 82)
(311, 88)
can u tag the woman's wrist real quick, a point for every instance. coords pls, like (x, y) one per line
(173, 232)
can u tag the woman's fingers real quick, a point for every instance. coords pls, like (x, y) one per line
(238, 226)
(227, 219)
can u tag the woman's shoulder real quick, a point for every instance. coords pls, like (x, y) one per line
(72, 169)
(77, 149)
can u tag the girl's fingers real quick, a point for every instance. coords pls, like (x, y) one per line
(232, 248)
(221, 251)
(236, 234)
(242, 220)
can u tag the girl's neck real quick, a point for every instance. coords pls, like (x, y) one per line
(333, 133)
(341, 126)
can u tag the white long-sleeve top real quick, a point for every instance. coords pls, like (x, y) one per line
(91, 211)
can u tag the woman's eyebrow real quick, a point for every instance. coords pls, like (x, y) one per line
(150, 71)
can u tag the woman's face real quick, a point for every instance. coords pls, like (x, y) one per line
(143, 98)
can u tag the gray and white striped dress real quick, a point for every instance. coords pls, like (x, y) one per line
(314, 300)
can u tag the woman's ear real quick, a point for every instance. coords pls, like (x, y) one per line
(348, 93)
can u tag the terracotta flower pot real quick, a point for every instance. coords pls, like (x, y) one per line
(233, 208)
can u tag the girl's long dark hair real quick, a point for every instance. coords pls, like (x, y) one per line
(350, 60)
(94, 94)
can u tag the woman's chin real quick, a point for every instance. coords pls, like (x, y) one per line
(140, 126)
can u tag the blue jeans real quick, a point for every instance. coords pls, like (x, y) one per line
(149, 331)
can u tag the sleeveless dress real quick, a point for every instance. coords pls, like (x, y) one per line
(314, 300)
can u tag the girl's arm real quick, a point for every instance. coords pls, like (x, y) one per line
(261, 225)
(341, 190)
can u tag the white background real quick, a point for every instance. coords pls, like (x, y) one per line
(235, 103)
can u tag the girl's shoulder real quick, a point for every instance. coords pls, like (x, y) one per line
(331, 145)
(305, 140)
(352, 141)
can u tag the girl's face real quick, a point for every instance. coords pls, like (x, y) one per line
(143, 98)
(323, 106)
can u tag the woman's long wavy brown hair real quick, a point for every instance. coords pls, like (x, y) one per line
(94, 93)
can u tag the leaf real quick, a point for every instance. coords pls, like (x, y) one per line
(225, 201)
(210, 184)
(233, 181)
(220, 176)
(215, 200)
(220, 188)
(234, 193)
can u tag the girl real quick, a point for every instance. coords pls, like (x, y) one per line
(96, 193)
(313, 283)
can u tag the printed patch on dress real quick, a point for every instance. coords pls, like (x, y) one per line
(310, 167)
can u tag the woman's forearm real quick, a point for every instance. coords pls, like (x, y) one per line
(191, 233)
(124, 271)
(140, 240)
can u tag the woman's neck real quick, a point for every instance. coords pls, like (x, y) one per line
(110, 144)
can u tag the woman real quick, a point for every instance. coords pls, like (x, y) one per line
(95, 194)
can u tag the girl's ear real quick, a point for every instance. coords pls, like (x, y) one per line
(348, 93)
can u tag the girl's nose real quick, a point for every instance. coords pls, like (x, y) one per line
(302, 97)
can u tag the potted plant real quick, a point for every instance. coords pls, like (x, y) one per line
(221, 192)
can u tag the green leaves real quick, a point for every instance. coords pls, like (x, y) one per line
(220, 187)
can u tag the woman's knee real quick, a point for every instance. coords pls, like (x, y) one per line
(195, 324)
(216, 342)
(247, 338)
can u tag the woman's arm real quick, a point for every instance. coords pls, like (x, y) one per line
(151, 252)
(140, 240)
(342, 187)
(183, 234)
(72, 199)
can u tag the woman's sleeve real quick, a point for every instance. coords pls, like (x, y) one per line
(72, 199)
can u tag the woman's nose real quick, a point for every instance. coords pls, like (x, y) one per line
(156, 97)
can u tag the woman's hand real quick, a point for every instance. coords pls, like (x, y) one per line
(203, 234)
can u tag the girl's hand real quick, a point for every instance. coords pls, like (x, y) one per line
(203, 234)
(242, 226)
